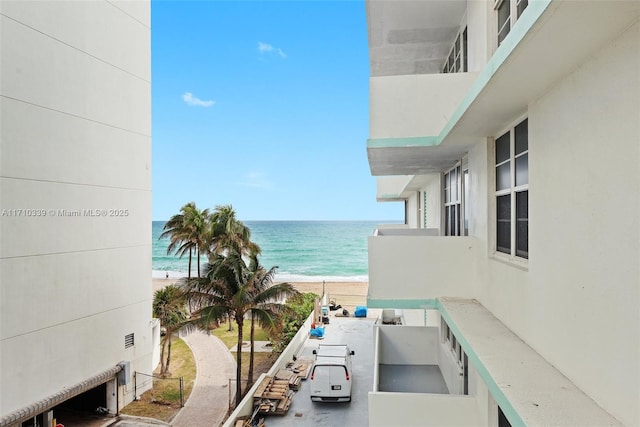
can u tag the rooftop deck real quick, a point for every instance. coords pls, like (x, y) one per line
(358, 334)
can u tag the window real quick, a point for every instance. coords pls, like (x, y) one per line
(502, 419)
(445, 331)
(457, 61)
(128, 341)
(452, 202)
(508, 12)
(512, 191)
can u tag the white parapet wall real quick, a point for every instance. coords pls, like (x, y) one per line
(422, 410)
(245, 407)
(398, 108)
(407, 345)
(397, 267)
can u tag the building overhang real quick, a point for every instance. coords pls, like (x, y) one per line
(411, 37)
(65, 394)
(400, 188)
(549, 39)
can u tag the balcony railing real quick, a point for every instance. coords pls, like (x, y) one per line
(415, 350)
(407, 270)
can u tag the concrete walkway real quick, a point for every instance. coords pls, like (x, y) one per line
(209, 401)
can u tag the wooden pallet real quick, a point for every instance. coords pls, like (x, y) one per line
(300, 370)
(273, 396)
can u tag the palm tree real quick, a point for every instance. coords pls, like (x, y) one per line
(196, 223)
(266, 303)
(228, 288)
(178, 232)
(169, 306)
(229, 233)
(187, 232)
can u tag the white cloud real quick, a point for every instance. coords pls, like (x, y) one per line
(255, 179)
(194, 101)
(266, 48)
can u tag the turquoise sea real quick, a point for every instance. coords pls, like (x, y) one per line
(304, 251)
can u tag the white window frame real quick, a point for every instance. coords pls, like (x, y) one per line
(457, 204)
(512, 191)
(457, 60)
(514, 7)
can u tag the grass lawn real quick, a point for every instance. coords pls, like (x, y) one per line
(230, 338)
(262, 361)
(162, 402)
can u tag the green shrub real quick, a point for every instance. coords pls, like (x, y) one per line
(299, 307)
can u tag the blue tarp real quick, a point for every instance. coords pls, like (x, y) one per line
(361, 311)
(317, 332)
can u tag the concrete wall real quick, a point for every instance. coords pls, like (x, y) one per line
(245, 407)
(418, 409)
(408, 345)
(391, 186)
(434, 204)
(75, 139)
(400, 260)
(576, 300)
(413, 210)
(449, 368)
(397, 106)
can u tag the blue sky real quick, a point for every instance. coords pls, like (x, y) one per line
(263, 105)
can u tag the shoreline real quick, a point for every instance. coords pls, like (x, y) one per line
(347, 291)
(279, 278)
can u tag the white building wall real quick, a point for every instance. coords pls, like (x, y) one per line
(75, 134)
(434, 203)
(413, 210)
(477, 34)
(576, 302)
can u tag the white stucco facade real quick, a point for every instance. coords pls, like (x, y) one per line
(576, 300)
(75, 196)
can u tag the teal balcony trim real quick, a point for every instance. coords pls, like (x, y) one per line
(532, 13)
(495, 391)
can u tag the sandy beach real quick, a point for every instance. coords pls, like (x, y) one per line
(346, 294)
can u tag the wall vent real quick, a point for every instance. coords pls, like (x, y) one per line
(128, 340)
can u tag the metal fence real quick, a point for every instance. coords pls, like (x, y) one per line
(166, 391)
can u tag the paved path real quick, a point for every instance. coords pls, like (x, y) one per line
(209, 401)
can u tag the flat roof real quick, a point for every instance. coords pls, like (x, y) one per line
(357, 333)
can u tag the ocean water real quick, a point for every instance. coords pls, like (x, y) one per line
(303, 251)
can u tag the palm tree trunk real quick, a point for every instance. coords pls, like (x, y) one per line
(239, 321)
(164, 345)
(189, 274)
(198, 252)
(166, 366)
(250, 375)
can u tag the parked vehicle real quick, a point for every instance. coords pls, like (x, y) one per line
(331, 375)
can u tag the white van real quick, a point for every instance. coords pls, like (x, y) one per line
(331, 374)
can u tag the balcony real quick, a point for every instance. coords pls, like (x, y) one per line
(407, 113)
(414, 374)
(411, 37)
(410, 101)
(409, 268)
